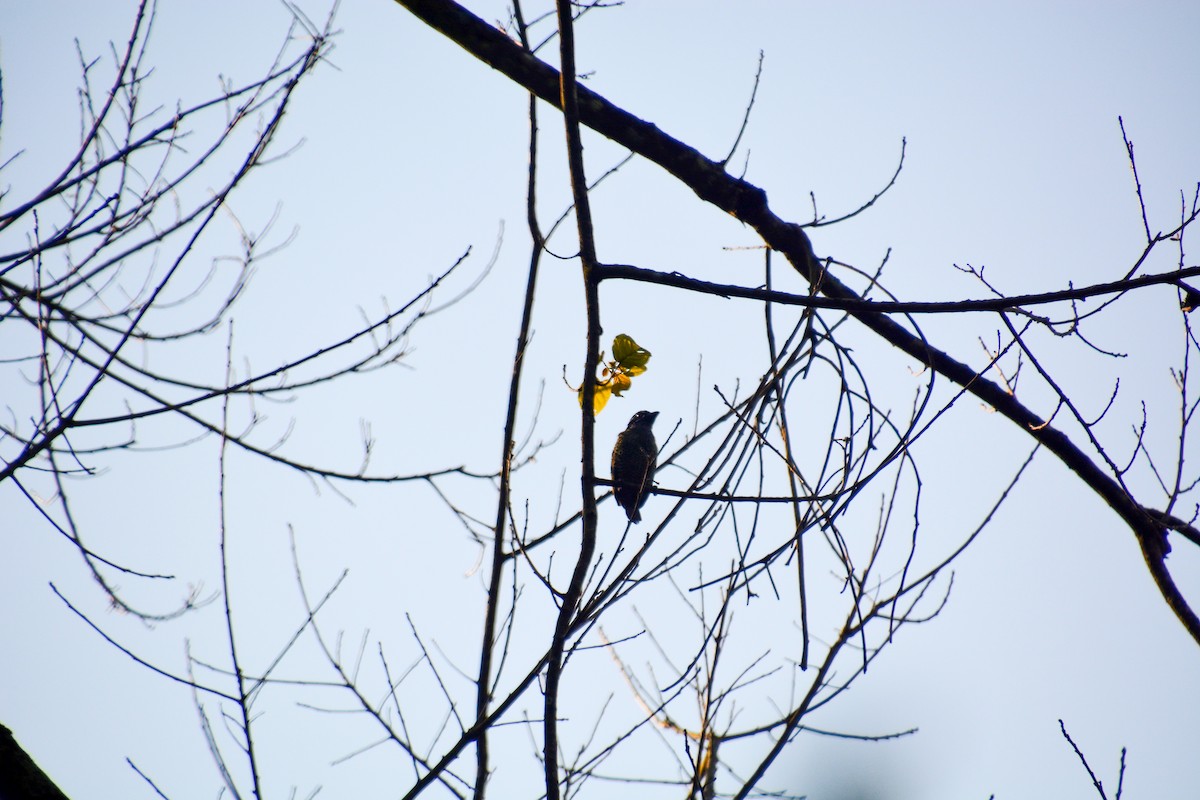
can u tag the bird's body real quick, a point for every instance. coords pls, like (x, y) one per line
(634, 459)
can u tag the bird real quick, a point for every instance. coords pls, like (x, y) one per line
(634, 458)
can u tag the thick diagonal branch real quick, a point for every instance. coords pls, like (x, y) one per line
(748, 203)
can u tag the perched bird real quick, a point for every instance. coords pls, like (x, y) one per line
(634, 458)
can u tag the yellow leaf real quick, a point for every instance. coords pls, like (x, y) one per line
(619, 383)
(599, 399)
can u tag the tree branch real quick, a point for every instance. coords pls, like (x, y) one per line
(748, 203)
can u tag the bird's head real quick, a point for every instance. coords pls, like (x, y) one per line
(643, 419)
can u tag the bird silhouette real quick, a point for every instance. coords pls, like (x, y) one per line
(634, 458)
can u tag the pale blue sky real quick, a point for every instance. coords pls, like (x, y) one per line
(413, 152)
